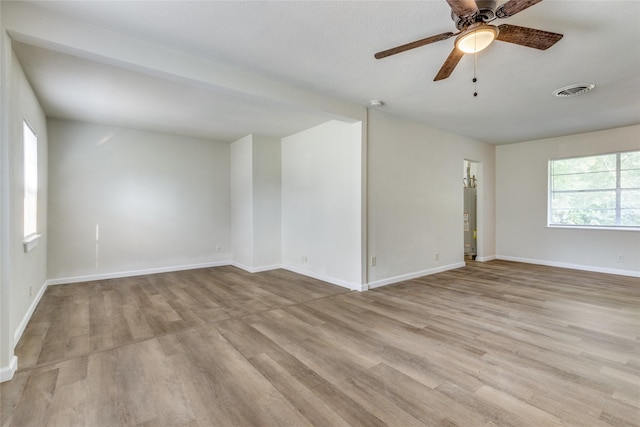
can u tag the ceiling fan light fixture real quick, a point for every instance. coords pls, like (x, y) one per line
(476, 38)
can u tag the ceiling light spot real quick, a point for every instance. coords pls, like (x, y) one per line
(376, 103)
(573, 90)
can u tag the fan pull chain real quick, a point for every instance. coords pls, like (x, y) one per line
(475, 78)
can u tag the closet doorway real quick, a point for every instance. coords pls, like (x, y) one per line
(470, 181)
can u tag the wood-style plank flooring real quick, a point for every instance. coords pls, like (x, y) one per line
(491, 344)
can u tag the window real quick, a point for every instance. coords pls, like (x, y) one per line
(30, 142)
(595, 191)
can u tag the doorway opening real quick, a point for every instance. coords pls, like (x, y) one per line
(470, 215)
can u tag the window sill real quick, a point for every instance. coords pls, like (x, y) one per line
(31, 242)
(594, 227)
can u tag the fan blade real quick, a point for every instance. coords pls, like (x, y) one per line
(512, 7)
(449, 64)
(463, 8)
(529, 37)
(412, 45)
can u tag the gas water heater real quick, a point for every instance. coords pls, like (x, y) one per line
(470, 214)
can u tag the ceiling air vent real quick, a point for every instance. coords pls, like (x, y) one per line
(573, 90)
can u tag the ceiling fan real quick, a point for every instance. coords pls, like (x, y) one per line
(475, 33)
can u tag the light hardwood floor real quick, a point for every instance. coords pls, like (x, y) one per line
(491, 344)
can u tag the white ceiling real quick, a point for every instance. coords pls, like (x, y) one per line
(319, 50)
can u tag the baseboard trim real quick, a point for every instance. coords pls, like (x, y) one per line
(414, 275)
(583, 267)
(7, 372)
(324, 278)
(328, 279)
(255, 269)
(25, 319)
(132, 273)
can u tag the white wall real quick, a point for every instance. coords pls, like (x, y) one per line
(6, 353)
(24, 274)
(522, 187)
(321, 203)
(415, 199)
(255, 203)
(241, 164)
(160, 201)
(266, 202)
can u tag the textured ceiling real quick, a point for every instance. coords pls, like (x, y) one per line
(327, 48)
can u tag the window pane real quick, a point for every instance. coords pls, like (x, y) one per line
(630, 199)
(592, 217)
(585, 164)
(590, 208)
(590, 200)
(30, 143)
(630, 217)
(630, 160)
(585, 181)
(595, 191)
(630, 189)
(630, 178)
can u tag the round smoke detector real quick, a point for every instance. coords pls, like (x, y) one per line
(573, 90)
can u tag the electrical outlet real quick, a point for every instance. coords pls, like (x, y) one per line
(437, 256)
(373, 261)
(620, 258)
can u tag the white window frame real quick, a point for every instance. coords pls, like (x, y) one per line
(30, 220)
(618, 190)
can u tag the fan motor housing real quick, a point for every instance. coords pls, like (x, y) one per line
(486, 13)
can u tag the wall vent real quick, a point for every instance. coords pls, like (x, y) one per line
(573, 90)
